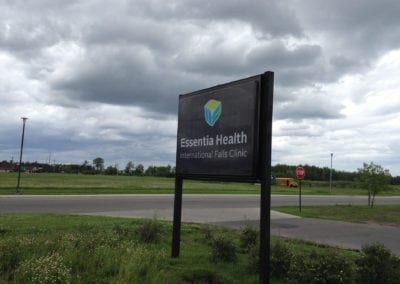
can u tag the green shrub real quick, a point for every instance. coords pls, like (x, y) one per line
(203, 276)
(322, 267)
(3, 231)
(150, 231)
(222, 249)
(378, 265)
(248, 237)
(253, 262)
(280, 259)
(49, 269)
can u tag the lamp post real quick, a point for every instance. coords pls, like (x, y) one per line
(330, 176)
(20, 153)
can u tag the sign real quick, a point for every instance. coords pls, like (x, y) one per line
(300, 172)
(225, 133)
(218, 131)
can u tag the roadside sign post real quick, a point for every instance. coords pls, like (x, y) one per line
(225, 134)
(300, 173)
(300, 196)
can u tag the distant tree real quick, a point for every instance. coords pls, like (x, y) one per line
(165, 171)
(374, 179)
(160, 171)
(139, 170)
(150, 171)
(395, 180)
(86, 168)
(98, 164)
(313, 173)
(129, 168)
(111, 171)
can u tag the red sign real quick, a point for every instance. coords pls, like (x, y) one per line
(300, 172)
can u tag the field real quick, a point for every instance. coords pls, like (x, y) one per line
(87, 249)
(45, 183)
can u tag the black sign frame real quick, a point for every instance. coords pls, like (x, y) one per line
(261, 173)
(213, 173)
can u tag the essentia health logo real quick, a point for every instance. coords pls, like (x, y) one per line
(212, 111)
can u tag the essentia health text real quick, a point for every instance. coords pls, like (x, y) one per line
(235, 138)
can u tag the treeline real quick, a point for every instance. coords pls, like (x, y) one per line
(313, 173)
(90, 169)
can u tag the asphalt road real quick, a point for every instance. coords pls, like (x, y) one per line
(226, 210)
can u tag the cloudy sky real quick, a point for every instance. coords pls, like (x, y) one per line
(102, 78)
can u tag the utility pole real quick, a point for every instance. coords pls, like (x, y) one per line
(20, 153)
(330, 176)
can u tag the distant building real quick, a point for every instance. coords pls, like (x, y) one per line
(6, 167)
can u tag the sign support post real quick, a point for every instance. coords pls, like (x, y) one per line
(265, 175)
(300, 196)
(176, 234)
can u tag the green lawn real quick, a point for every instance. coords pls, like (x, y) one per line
(45, 183)
(49, 248)
(380, 214)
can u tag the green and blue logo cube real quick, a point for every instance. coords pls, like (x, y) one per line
(212, 111)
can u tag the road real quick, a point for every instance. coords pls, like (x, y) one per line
(226, 210)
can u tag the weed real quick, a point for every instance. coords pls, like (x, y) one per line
(208, 234)
(222, 249)
(124, 231)
(142, 265)
(248, 237)
(150, 231)
(47, 269)
(10, 256)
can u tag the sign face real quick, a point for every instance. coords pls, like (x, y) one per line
(218, 131)
(300, 172)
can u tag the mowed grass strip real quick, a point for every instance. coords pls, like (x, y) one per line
(53, 183)
(379, 214)
(45, 183)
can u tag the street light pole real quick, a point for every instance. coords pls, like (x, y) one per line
(20, 153)
(330, 179)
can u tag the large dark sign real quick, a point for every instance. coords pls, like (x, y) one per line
(218, 131)
(224, 133)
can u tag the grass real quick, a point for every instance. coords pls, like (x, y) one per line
(46, 183)
(52, 248)
(380, 214)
